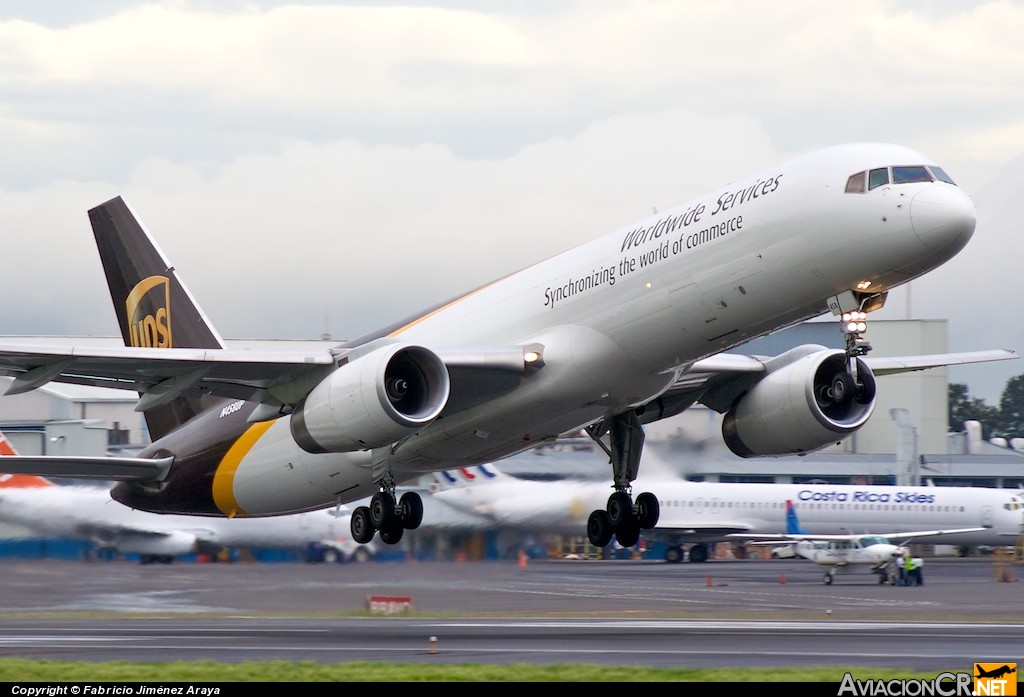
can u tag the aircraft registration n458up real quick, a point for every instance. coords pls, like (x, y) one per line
(622, 331)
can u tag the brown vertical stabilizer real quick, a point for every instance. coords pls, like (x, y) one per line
(154, 308)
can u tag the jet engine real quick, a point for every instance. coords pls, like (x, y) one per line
(801, 406)
(372, 400)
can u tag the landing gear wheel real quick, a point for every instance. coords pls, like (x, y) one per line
(625, 444)
(599, 529)
(410, 508)
(699, 553)
(362, 526)
(392, 533)
(620, 508)
(647, 510)
(674, 554)
(382, 509)
(628, 532)
(828, 579)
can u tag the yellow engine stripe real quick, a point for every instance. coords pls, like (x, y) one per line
(224, 477)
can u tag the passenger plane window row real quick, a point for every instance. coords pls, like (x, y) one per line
(831, 506)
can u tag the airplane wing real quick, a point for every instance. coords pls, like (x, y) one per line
(786, 538)
(732, 363)
(276, 378)
(279, 379)
(900, 536)
(283, 377)
(710, 380)
(160, 375)
(882, 365)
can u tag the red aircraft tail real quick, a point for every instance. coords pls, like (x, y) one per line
(18, 481)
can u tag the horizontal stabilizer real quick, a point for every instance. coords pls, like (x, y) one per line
(120, 469)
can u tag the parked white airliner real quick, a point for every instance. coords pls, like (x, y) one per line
(48, 511)
(619, 332)
(699, 513)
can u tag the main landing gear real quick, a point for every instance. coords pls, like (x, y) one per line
(623, 518)
(392, 518)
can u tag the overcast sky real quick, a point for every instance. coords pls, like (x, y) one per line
(335, 167)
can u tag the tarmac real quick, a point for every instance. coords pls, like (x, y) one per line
(972, 589)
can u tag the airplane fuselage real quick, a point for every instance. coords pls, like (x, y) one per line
(619, 320)
(708, 511)
(89, 513)
(851, 509)
(868, 554)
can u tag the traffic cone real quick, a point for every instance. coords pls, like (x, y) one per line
(782, 577)
(709, 582)
(522, 558)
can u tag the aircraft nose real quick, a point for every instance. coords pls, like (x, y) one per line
(943, 217)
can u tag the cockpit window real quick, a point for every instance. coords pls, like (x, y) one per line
(878, 177)
(910, 174)
(941, 175)
(897, 174)
(855, 184)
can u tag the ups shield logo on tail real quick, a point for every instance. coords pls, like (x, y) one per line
(149, 313)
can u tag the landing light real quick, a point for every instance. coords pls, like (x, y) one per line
(855, 322)
(533, 358)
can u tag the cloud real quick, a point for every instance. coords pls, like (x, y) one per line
(361, 236)
(318, 165)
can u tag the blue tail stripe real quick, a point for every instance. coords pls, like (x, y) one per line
(792, 522)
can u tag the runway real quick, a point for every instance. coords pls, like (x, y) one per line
(718, 614)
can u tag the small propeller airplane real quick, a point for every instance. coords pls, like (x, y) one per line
(844, 554)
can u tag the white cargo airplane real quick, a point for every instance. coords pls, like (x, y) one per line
(851, 553)
(695, 514)
(47, 510)
(622, 331)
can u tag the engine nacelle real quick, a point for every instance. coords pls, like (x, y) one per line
(373, 400)
(801, 407)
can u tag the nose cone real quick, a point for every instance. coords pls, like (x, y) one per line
(943, 217)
